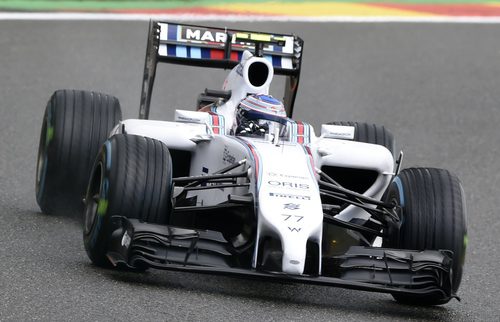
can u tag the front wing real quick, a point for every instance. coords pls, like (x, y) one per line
(419, 273)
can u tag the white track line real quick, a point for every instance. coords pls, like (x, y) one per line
(217, 17)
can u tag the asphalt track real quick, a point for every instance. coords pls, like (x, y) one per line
(435, 86)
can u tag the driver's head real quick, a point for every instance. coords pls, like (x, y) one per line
(258, 114)
(262, 107)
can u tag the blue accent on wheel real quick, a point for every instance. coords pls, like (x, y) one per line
(96, 230)
(108, 154)
(105, 189)
(399, 184)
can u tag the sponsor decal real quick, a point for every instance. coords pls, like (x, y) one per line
(203, 34)
(289, 196)
(287, 184)
(293, 229)
(283, 175)
(337, 131)
(187, 119)
(227, 156)
(291, 206)
(211, 35)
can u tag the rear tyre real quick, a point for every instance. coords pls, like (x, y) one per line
(370, 133)
(433, 217)
(132, 177)
(75, 125)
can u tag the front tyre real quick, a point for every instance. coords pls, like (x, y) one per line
(433, 217)
(75, 125)
(132, 177)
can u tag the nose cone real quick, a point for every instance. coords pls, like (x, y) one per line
(289, 202)
(294, 256)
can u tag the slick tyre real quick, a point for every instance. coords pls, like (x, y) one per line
(75, 125)
(433, 216)
(132, 177)
(370, 133)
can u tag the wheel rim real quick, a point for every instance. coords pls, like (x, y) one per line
(92, 199)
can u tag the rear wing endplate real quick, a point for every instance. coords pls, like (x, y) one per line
(218, 48)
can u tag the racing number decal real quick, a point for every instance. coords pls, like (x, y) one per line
(298, 218)
(293, 219)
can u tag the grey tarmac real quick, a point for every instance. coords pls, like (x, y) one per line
(435, 86)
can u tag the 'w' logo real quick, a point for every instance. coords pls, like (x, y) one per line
(294, 229)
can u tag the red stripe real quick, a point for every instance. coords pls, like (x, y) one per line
(300, 132)
(234, 56)
(216, 54)
(457, 10)
(215, 123)
(191, 10)
(256, 159)
(311, 159)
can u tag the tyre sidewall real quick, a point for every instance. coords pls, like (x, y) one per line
(96, 239)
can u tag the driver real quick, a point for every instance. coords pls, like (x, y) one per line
(260, 114)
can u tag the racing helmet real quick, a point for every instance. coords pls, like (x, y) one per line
(259, 114)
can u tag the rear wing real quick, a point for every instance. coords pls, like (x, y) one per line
(218, 48)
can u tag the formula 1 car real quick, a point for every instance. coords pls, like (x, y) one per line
(236, 187)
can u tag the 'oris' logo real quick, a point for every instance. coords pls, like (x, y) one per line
(287, 184)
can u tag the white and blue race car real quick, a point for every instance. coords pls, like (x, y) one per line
(237, 187)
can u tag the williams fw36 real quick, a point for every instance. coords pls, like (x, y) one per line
(235, 186)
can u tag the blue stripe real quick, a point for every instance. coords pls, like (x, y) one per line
(293, 132)
(399, 184)
(188, 51)
(195, 52)
(205, 53)
(306, 133)
(181, 51)
(108, 154)
(222, 125)
(276, 61)
(171, 50)
(172, 32)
